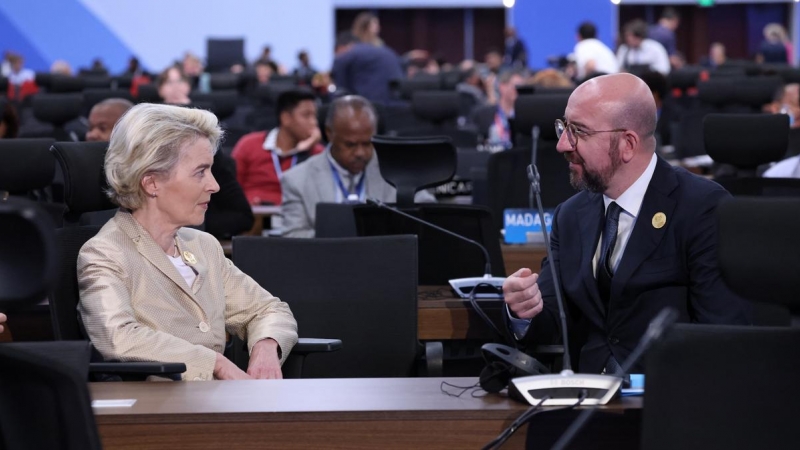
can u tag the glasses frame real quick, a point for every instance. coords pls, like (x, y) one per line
(572, 131)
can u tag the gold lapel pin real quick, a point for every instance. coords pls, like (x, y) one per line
(659, 220)
(189, 257)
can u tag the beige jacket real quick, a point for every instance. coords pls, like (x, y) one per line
(136, 306)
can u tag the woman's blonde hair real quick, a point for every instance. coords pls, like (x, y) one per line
(148, 140)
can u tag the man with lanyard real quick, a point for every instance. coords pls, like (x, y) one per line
(347, 171)
(262, 158)
(499, 133)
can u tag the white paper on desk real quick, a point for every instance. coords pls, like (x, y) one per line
(120, 403)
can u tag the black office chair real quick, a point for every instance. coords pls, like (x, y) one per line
(443, 111)
(413, 164)
(64, 84)
(722, 387)
(222, 104)
(148, 93)
(226, 82)
(745, 142)
(44, 401)
(27, 169)
(364, 290)
(92, 97)
(221, 54)
(757, 251)
(421, 82)
(57, 110)
(507, 177)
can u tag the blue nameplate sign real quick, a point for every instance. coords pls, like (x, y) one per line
(522, 226)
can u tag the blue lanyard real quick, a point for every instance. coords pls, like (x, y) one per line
(345, 192)
(277, 163)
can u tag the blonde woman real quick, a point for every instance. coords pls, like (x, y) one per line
(152, 289)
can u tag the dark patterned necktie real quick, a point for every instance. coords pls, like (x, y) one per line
(609, 241)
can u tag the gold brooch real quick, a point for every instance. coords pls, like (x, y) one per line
(659, 220)
(189, 257)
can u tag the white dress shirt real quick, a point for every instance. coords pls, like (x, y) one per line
(594, 50)
(788, 168)
(631, 203)
(346, 177)
(650, 52)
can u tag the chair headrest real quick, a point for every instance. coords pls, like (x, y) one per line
(421, 82)
(718, 91)
(28, 260)
(413, 164)
(57, 109)
(757, 251)
(84, 175)
(758, 91)
(96, 81)
(746, 140)
(25, 164)
(222, 104)
(684, 78)
(436, 106)
(60, 84)
(148, 93)
(225, 81)
(540, 110)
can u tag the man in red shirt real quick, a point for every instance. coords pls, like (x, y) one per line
(262, 157)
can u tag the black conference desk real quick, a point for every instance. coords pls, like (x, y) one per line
(389, 413)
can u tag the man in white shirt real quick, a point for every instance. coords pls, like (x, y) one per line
(639, 50)
(591, 54)
(788, 168)
(640, 236)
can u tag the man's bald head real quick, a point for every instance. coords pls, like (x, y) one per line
(626, 101)
(104, 116)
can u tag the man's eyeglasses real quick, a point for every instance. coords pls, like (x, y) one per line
(573, 132)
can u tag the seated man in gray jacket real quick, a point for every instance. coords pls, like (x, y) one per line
(346, 171)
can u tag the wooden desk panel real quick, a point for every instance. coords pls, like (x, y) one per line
(386, 413)
(516, 257)
(442, 316)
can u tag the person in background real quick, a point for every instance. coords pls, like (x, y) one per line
(153, 289)
(365, 69)
(640, 235)
(367, 28)
(638, 50)
(716, 56)
(551, 78)
(663, 32)
(786, 101)
(3, 319)
(515, 55)
(591, 54)
(61, 67)
(9, 120)
(499, 132)
(191, 66)
(472, 84)
(493, 62)
(773, 48)
(347, 171)
(263, 157)
(104, 116)
(304, 70)
(18, 74)
(174, 87)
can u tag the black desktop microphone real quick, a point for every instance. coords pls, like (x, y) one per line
(663, 320)
(463, 286)
(534, 156)
(566, 388)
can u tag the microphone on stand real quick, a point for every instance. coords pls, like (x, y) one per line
(566, 388)
(464, 287)
(534, 155)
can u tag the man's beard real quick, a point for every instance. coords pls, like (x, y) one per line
(594, 181)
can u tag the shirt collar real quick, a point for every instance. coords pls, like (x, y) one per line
(631, 199)
(271, 142)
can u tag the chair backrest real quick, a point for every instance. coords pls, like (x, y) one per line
(65, 297)
(437, 107)
(758, 240)
(684, 78)
(421, 82)
(148, 93)
(84, 176)
(221, 54)
(335, 220)
(45, 401)
(722, 387)
(62, 84)
(360, 290)
(222, 104)
(746, 141)
(438, 262)
(26, 164)
(28, 262)
(539, 110)
(57, 109)
(413, 164)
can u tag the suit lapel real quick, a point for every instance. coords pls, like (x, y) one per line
(645, 238)
(148, 248)
(322, 180)
(194, 259)
(590, 218)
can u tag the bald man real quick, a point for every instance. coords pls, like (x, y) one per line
(104, 116)
(639, 236)
(2, 321)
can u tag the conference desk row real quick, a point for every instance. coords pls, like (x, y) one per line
(390, 413)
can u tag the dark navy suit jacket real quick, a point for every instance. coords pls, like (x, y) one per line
(675, 265)
(366, 70)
